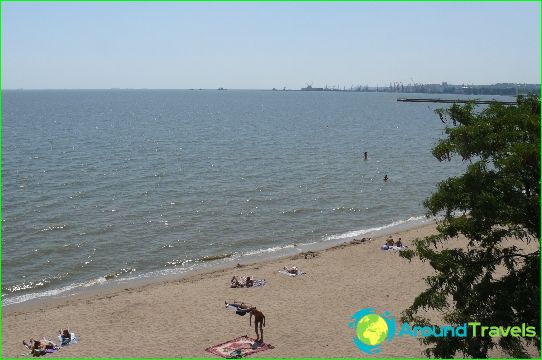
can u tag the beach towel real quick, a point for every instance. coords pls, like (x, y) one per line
(393, 247)
(258, 283)
(237, 348)
(38, 353)
(290, 274)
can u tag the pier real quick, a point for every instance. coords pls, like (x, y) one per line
(457, 101)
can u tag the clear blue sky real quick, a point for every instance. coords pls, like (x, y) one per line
(265, 45)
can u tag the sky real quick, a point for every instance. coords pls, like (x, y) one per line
(261, 45)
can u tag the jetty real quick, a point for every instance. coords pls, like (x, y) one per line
(457, 101)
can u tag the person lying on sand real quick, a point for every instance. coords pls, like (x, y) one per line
(259, 319)
(39, 347)
(241, 308)
(239, 305)
(292, 270)
(359, 241)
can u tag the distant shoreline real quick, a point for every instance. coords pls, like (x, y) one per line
(482, 89)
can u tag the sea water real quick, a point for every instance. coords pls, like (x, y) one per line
(103, 186)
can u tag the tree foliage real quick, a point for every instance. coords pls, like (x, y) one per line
(495, 204)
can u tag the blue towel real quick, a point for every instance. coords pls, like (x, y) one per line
(258, 283)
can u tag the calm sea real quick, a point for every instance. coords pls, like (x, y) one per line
(107, 186)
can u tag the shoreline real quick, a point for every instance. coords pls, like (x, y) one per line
(306, 316)
(253, 257)
(322, 301)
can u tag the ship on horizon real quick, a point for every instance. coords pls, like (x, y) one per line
(310, 88)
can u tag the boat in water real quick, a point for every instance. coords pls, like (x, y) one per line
(310, 88)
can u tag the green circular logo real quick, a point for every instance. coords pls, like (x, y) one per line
(372, 329)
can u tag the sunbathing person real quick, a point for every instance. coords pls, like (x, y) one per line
(239, 305)
(292, 270)
(241, 281)
(237, 282)
(390, 242)
(35, 347)
(259, 319)
(65, 336)
(399, 243)
(359, 241)
(241, 308)
(39, 347)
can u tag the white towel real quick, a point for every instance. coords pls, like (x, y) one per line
(290, 274)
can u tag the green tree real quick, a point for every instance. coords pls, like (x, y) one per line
(495, 204)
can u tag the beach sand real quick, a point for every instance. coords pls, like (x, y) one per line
(306, 316)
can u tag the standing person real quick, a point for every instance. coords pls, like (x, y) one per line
(259, 319)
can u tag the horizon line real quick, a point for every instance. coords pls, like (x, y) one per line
(259, 89)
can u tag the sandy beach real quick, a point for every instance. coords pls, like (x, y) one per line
(306, 316)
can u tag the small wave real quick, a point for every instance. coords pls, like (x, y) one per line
(50, 293)
(78, 195)
(345, 209)
(267, 250)
(23, 286)
(215, 257)
(118, 273)
(107, 228)
(299, 211)
(54, 227)
(177, 262)
(412, 220)
(77, 245)
(26, 285)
